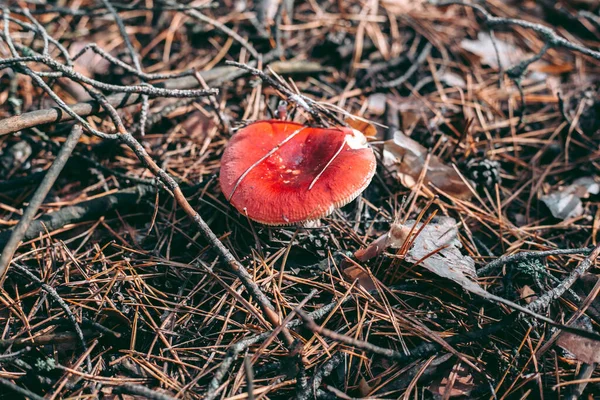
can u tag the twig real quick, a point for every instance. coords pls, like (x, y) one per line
(590, 16)
(526, 255)
(547, 298)
(410, 71)
(36, 201)
(14, 355)
(309, 105)
(149, 90)
(199, 16)
(17, 389)
(143, 391)
(56, 114)
(140, 74)
(321, 372)
(134, 59)
(585, 373)
(234, 350)
(54, 294)
(249, 377)
(84, 211)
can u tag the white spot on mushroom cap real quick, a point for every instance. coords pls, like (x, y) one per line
(356, 140)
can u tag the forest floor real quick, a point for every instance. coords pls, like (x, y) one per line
(465, 269)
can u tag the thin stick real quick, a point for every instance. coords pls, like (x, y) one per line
(37, 200)
(234, 350)
(528, 255)
(54, 294)
(146, 393)
(411, 71)
(199, 16)
(548, 35)
(547, 298)
(134, 59)
(17, 389)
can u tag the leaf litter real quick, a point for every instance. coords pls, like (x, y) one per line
(406, 158)
(566, 202)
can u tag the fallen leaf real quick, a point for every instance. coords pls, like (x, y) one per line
(363, 387)
(89, 63)
(376, 103)
(526, 293)
(566, 202)
(407, 158)
(583, 349)
(453, 80)
(354, 272)
(459, 383)
(508, 54)
(362, 126)
(435, 247)
(395, 237)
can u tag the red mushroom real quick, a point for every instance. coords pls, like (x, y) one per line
(281, 173)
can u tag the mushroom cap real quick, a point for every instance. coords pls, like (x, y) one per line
(282, 173)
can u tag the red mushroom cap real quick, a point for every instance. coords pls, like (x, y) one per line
(281, 173)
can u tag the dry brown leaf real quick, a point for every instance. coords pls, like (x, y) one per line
(436, 247)
(407, 158)
(89, 63)
(584, 349)
(526, 293)
(395, 237)
(362, 126)
(354, 272)
(363, 387)
(459, 383)
(566, 202)
(508, 54)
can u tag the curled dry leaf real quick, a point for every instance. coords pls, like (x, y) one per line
(459, 383)
(584, 349)
(354, 272)
(362, 125)
(526, 293)
(407, 158)
(508, 54)
(363, 387)
(436, 247)
(452, 79)
(376, 103)
(566, 202)
(89, 63)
